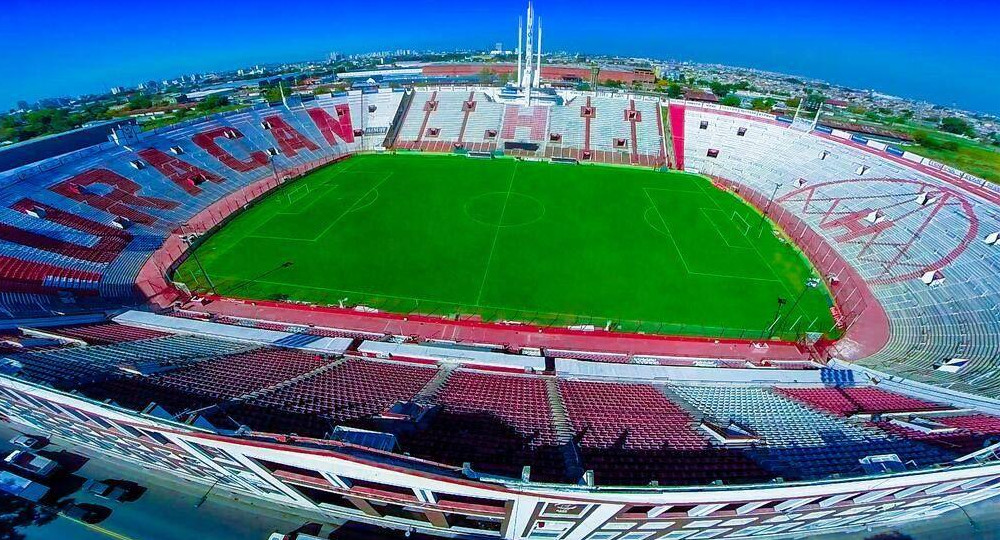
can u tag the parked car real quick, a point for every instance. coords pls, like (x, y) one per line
(13, 484)
(32, 463)
(293, 536)
(87, 513)
(105, 490)
(29, 443)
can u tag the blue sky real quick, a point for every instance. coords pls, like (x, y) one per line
(947, 53)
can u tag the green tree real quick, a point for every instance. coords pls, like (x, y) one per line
(213, 102)
(486, 76)
(731, 101)
(927, 140)
(675, 90)
(720, 89)
(762, 104)
(273, 93)
(139, 102)
(815, 100)
(958, 126)
(16, 513)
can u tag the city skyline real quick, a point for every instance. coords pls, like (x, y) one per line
(917, 63)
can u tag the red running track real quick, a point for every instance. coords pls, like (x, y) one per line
(513, 336)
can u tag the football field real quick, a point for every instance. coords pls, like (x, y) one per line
(545, 243)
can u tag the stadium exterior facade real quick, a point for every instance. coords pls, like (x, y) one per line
(96, 231)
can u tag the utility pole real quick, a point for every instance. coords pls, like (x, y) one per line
(811, 283)
(194, 255)
(767, 208)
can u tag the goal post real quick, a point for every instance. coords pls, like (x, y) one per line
(741, 223)
(297, 193)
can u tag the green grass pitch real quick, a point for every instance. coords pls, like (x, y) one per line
(524, 241)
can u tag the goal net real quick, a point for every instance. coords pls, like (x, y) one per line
(741, 224)
(297, 193)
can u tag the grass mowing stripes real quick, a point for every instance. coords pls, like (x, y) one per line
(527, 241)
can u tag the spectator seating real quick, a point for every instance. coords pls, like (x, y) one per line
(76, 234)
(798, 442)
(633, 434)
(825, 181)
(627, 433)
(860, 400)
(68, 367)
(499, 423)
(107, 333)
(348, 393)
(237, 375)
(627, 416)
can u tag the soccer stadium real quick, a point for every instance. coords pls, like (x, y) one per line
(515, 312)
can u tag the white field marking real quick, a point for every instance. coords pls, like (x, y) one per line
(489, 261)
(669, 235)
(362, 207)
(666, 229)
(460, 305)
(353, 206)
(347, 168)
(332, 224)
(718, 230)
(768, 266)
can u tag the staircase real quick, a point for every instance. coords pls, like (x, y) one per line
(465, 120)
(397, 120)
(572, 461)
(428, 392)
(695, 414)
(285, 384)
(560, 419)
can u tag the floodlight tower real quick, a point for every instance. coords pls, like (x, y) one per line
(538, 72)
(528, 80)
(520, 51)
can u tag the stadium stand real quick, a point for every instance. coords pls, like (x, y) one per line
(107, 333)
(798, 442)
(93, 233)
(347, 392)
(445, 119)
(833, 183)
(851, 401)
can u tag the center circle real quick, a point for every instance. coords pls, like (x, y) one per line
(503, 209)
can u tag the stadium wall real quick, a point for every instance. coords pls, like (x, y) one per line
(344, 481)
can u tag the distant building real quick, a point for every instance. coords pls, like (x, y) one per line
(701, 95)
(53, 103)
(202, 94)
